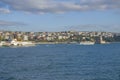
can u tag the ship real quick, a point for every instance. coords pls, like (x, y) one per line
(87, 43)
(22, 43)
(15, 43)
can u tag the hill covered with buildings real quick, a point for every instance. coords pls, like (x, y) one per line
(64, 36)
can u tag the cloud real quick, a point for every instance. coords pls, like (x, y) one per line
(4, 11)
(94, 27)
(9, 23)
(60, 6)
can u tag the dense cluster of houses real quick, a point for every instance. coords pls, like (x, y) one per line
(52, 36)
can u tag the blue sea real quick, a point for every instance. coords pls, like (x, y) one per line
(61, 62)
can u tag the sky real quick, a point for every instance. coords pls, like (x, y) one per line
(60, 15)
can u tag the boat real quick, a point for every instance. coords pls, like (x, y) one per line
(4, 44)
(15, 43)
(27, 44)
(22, 43)
(87, 43)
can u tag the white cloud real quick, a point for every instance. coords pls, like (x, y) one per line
(60, 6)
(9, 23)
(94, 27)
(5, 11)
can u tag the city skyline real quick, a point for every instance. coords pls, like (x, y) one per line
(60, 15)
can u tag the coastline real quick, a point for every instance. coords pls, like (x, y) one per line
(39, 43)
(51, 43)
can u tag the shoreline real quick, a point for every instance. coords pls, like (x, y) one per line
(68, 43)
(51, 43)
(39, 43)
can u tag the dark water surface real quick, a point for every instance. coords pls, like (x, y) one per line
(61, 62)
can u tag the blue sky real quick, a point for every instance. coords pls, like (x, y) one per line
(60, 15)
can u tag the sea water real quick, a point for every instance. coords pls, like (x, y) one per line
(61, 62)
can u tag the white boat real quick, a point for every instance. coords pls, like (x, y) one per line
(22, 43)
(27, 44)
(4, 43)
(87, 43)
